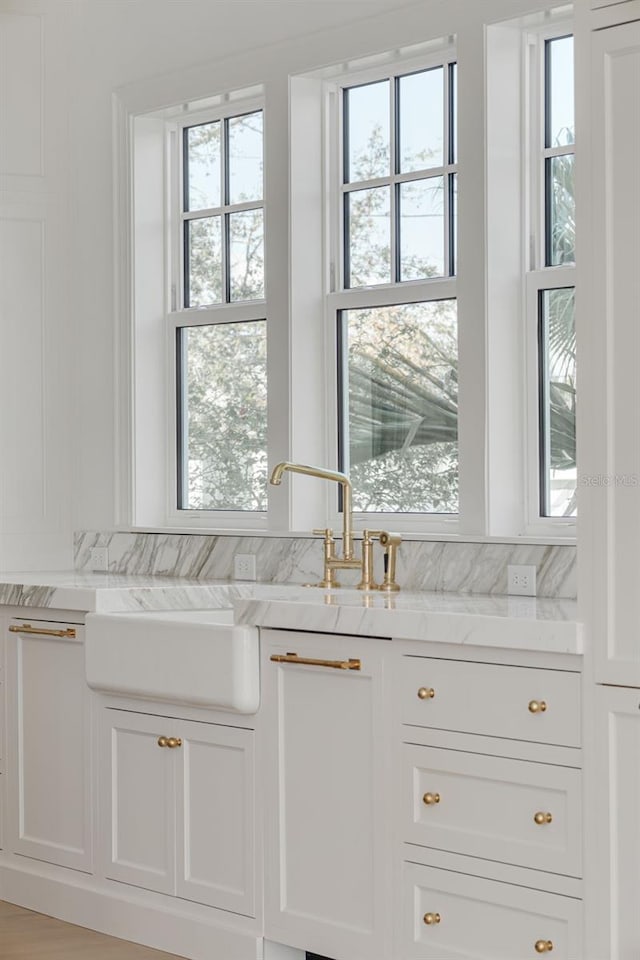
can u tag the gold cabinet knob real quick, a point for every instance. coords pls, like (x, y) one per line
(431, 918)
(541, 818)
(430, 798)
(163, 742)
(543, 946)
(174, 742)
(537, 706)
(426, 693)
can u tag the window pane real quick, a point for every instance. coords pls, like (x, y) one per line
(245, 158)
(560, 99)
(246, 255)
(367, 132)
(368, 254)
(558, 403)
(422, 120)
(561, 210)
(224, 417)
(422, 228)
(401, 448)
(202, 166)
(203, 262)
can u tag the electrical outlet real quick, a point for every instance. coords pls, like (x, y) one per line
(244, 566)
(100, 559)
(521, 579)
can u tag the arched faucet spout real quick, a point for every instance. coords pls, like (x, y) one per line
(323, 474)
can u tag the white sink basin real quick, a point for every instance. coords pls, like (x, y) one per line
(196, 657)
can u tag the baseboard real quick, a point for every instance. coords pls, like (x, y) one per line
(192, 932)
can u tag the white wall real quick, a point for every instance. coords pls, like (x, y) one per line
(94, 47)
(37, 355)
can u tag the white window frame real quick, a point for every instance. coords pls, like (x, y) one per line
(179, 316)
(537, 276)
(340, 298)
(302, 292)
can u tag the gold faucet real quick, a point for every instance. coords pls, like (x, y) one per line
(347, 561)
(345, 483)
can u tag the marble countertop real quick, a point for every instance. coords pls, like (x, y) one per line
(523, 623)
(514, 622)
(114, 593)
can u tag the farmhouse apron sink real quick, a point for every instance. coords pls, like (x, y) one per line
(195, 657)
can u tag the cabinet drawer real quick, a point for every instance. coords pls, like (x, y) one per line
(519, 703)
(484, 919)
(485, 807)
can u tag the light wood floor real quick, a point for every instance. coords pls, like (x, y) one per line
(32, 936)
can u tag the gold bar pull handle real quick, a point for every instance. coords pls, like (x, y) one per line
(69, 632)
(351, 664)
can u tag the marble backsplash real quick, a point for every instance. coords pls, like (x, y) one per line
(449, 566)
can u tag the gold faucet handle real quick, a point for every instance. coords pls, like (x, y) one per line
(325, 532)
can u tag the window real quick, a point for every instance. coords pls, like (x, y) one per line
(436, 366)
(396, 306)
(551, 282)
(220, 329)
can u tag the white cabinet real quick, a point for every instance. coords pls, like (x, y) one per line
(610, 468)
(459, 917)
(3, 630)
(490, 824)
(327, 884)
(608, 99)
(49, 796)
(178, 810)
(617, 885)
(512, 811)
(493, 699)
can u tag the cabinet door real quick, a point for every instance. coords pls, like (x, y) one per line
(137, 830)
(215, 816)
(49, 816)
(513, 811)
(618, 878)
(492, 699)
(610, 473)
(326, 877)
(451, 916)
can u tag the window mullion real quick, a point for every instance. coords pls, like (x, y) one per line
(564, 151)
(446, 178)
(544, 442)
(181, 438)
(219, 211)
(425, 174)
(201, 214)
(394, 160)
(224, 224)
(410, 291)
